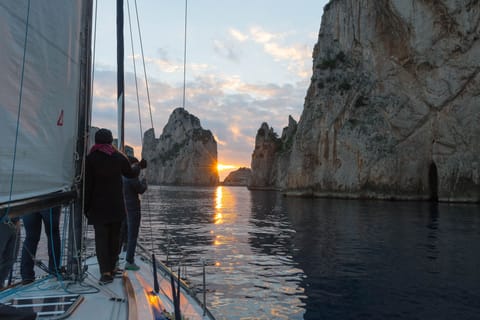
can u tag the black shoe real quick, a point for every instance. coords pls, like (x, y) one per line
(105, 279)
(117, 273)
(27, 281)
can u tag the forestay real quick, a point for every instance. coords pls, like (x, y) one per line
(39, 96)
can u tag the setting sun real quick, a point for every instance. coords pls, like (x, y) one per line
(221, 167)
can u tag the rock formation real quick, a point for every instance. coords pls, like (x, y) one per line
(393, 106)
(184, 154)
(270, 159)
(240, 177)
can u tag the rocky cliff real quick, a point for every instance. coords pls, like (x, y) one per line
(270, 158)
(240, 177)
(184, 154)
(393, 106)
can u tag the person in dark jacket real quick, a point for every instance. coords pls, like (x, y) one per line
(104, 201)
(132, 187)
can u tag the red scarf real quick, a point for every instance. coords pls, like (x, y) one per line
(105, 148)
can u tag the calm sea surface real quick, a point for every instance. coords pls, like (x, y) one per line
(272, 257)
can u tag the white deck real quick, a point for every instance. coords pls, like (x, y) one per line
(128, 297)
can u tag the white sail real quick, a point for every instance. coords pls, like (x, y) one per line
(39, 96)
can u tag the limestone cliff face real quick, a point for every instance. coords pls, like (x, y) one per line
(270, 159)
(185, 153)
(240, 177)
(393, 109)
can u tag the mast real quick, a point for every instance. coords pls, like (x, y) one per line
(120, 78)
(74, 247)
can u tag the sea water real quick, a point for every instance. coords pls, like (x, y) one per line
(274, 257)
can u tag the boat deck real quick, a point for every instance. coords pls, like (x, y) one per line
(129, 296)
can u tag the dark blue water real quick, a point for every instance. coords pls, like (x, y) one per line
(272, 257)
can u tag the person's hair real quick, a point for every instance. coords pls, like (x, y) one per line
(103, 136)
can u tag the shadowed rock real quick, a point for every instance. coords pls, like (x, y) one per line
(184, 154)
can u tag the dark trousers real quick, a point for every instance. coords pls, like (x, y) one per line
(33, 228)
(107, 245)
(133, 224)
(8, 236)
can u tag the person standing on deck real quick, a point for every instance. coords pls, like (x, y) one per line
(104, 201)
(8, 239)
(33, 229)
(132, 187)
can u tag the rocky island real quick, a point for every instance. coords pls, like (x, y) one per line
(184, 154)
(392, 111)
(239, 177)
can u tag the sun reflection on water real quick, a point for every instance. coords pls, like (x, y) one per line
(218, 219)
(218, 197)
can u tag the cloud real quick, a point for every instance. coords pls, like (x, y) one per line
(165, 65)
(236, 132)
(226, 50)
(237, 35)
(262, 36)
(283, 47)
(294, 55)
(231, 108)
(219, 141)
(297, 53)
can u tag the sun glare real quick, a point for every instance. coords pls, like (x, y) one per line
(221, 167)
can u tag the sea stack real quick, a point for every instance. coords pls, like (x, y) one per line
(270, 158)
(184, 154)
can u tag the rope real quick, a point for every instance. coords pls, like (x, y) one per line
(55, 263)
(5, 215)
(185, 55)
(144, 69)
(83, 253)
(94, 46)
(134, 71)
(138, 99)
(165, 228)
(146, 196)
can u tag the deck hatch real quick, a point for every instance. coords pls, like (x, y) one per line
(51, 307)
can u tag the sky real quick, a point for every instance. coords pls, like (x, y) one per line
(247, 62)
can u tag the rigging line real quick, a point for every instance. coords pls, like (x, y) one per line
(4, 216)
(69, 212)
(56, 264)
(89, 111)
(149, 105)
(144, 69)
(184, 87)
(120, 77)
(83, 251)
(94, 48)
(79, 251)
(21, 289)
(138, 100)
(185, 55)
(86, 131)
(150, 226)
(134, 69)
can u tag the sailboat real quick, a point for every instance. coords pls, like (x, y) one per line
(45, 113)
